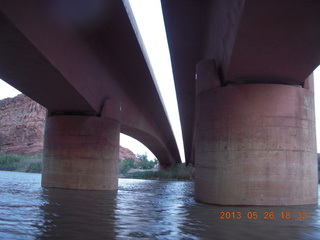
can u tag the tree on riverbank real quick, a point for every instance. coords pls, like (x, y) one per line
(145, 163)
(127, 164)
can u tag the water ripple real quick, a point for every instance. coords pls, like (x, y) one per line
(140, 209)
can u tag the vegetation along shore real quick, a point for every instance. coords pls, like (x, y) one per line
(128, 168)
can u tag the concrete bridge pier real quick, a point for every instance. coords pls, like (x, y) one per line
(82, 152)
(255, 143)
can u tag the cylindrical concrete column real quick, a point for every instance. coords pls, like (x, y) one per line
(81, 152)
(255, 145)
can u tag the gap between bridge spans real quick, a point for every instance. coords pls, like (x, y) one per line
(147, 20)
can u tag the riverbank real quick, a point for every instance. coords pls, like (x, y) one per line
(33, 164)
(21, 163)
(178, 172)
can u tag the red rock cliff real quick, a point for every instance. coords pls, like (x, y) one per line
(21, 125)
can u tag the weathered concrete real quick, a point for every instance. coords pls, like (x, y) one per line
(277, 42)
(255, 145)
(81, 152)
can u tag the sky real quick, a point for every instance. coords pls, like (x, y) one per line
(149, 18)
(7, 91)
(317, 103)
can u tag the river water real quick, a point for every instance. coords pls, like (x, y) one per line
(140, 209)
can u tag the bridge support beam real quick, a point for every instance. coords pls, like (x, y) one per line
(255, 145)
(81, 152)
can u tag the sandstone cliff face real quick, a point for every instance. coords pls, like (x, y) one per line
(127, 153)
(22, 123)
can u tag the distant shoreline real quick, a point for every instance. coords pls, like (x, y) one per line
(33, 164)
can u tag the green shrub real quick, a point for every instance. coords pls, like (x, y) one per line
(176, 172)
(146, 164)
(9, 162)
(20, 163)
(34, 167)
(125, 165)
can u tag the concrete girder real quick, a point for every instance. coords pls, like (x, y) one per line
(184, 22)
(276, 42)
(74, 67)
(26, 68)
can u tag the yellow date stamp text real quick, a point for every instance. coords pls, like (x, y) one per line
(263, 215)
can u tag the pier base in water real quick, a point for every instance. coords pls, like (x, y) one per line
(255, 145)
(81, 152)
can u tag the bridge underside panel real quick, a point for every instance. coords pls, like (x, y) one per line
(255, 145)
(24, 67)
(276, 42)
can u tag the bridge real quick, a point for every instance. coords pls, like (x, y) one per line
(93, 79)
(243, 75)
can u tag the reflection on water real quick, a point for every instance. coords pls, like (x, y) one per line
(140, 209)
(71, 214)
